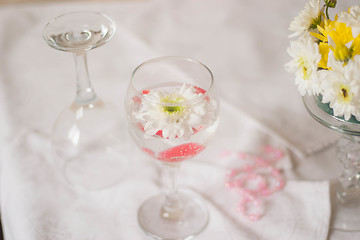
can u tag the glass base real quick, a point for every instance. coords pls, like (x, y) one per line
(190, 221)
(345, 216)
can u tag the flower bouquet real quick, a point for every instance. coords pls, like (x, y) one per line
(326, 57)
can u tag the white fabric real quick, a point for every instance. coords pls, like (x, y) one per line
(244, 44)
(38, 204)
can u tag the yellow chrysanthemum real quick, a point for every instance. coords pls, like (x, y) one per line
(324, 28)
(341, 35)
(336, 36)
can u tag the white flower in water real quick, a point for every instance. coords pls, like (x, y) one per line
(173, 114)
(352, 19)
(308, 18)
(306, 56)
(341, 87)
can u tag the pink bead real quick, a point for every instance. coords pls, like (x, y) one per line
(253, 217)
(228, 185)
(230, 172)
(255, 179)
(240, 209)
(242, 155)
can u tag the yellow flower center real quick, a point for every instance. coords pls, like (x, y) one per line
(305, 66)
(344, 94)
(173, 99)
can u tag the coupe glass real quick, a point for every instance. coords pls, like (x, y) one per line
(173, 113)
(346, 201)
(85, 135)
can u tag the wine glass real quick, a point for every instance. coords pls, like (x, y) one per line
(85, 136)
(173, 112)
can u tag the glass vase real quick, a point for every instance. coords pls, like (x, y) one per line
(346, 202)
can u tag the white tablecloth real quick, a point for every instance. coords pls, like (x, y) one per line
(244, 44)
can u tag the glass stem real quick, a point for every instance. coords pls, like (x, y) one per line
(84, 91)
(348, 150)
(172, 208)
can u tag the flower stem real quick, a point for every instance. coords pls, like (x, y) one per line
(172, 208)
(84, 91)
(327, 11)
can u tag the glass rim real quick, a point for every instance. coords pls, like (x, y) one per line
(187, 102)
(328, 120)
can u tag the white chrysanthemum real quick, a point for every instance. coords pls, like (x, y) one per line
(307, 17)
(162, 113)
(351, 19)
(341, 87)
(306, 56)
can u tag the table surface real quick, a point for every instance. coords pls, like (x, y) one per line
(9, 2)
(243, 43)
